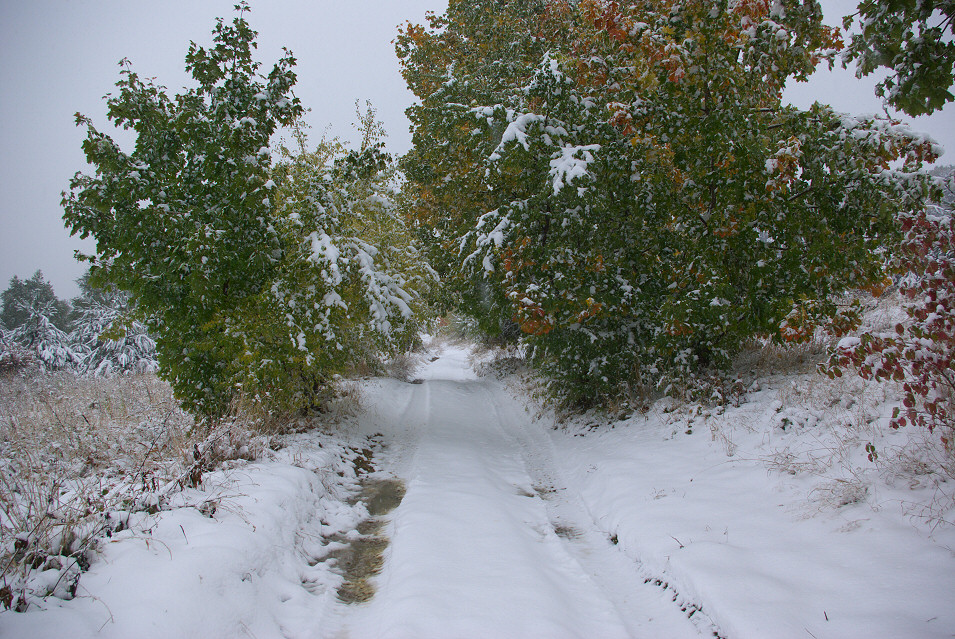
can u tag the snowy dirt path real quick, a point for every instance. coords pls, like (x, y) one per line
(488, 541)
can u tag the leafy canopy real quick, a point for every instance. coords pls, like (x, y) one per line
(220, 250)
(915, 41)
(643, 202)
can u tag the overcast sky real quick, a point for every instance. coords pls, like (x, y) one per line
(58, 57)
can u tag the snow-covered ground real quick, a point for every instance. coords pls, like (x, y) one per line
(762, 520)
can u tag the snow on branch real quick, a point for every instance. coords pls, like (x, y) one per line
(570, 163)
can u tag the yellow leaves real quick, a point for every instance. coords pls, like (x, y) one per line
(511, 257)
(725, 162)
(593, 309)
(596, 265)
(877, 289)
(532, 319)
(830, 42)
(660, 155)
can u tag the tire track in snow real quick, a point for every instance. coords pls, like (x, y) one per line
(641, 599)
(401, 428)
(487, 541)
(407, 425)
(469, 555)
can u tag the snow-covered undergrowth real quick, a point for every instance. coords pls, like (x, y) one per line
(793, 510)
(103, 480)
(76, 454)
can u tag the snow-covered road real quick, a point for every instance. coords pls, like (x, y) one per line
(678, 522)
(489, 541)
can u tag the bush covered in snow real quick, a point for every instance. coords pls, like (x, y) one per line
(255, 279)
(918, 353)
(77, 456)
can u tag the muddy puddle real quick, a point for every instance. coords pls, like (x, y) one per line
(363, 558)
(567, 532)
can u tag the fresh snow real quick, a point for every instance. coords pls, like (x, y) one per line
(681, 522)
(570, 163)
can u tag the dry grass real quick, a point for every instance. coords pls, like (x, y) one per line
(79, 455)
(835, 430)
(763, 357)
(72, 450)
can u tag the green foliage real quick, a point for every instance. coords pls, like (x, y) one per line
(351, 283)
(915, 41)
(473, 55)
(219, 250)
(23, 295)
(649, 204)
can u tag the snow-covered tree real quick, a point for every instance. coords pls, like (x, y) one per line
(915, 42)
(919, 353)
(655, 204)
(40, 337)
(106, 330)
(477, 53)
(33, 326)
(350, 285)
(25, 294)
(240, 270)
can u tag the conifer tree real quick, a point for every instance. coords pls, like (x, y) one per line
(105, 328)
(21, 295)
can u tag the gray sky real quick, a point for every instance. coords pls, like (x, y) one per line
(58, 57)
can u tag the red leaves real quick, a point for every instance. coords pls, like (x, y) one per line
(532, 319)
(923, 352)
(605, 17)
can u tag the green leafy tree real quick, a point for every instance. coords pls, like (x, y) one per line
(352, 283)
(184, 221)
(668, 205)
(915, 42)
(255, 280)
(476, 54)
(23, 295)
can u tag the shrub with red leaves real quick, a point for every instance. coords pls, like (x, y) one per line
(921, 352)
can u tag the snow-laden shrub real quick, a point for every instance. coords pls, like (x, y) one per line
(919, 353)
(113, 343)
(39, 336)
